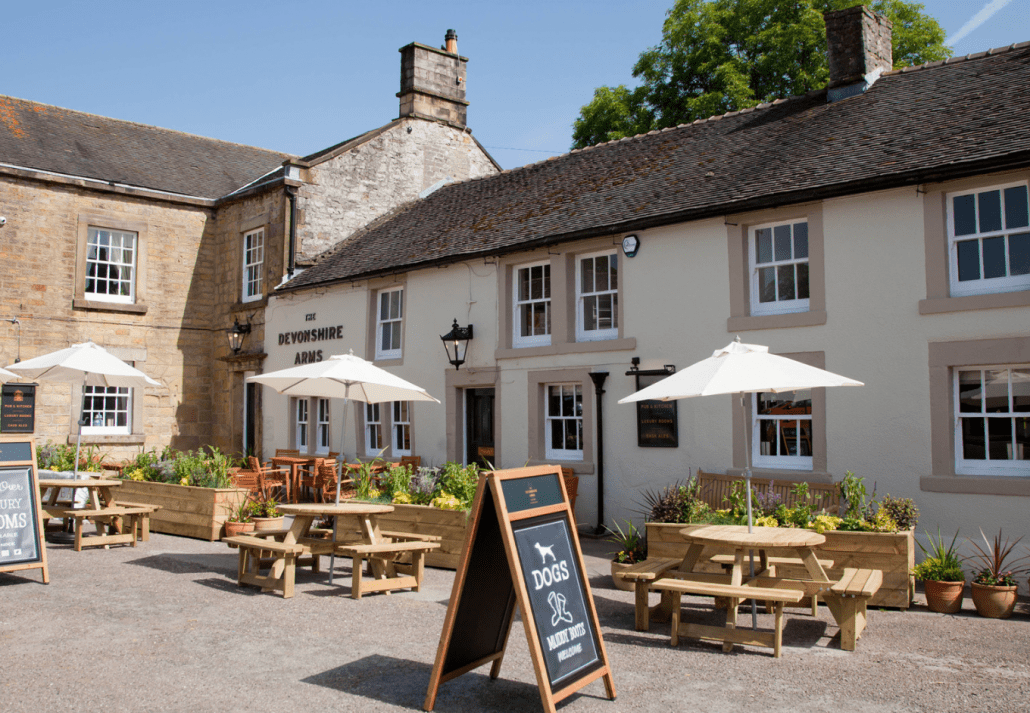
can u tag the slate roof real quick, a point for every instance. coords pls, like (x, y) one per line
(49, 138)
(937, 121)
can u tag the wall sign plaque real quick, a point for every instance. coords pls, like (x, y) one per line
(657, 421)
(17, 408)
(522, 550)
(21, 519)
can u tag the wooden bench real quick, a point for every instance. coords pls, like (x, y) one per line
(854, 590)
(642, 574)
(728, 634)
(772, 562)
(251, 562)
(122, 523)
(383, 565)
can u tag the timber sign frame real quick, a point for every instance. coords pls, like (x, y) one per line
(22, 546)
(522, 549)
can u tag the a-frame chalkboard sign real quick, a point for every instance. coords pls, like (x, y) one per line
(522, 550)
(21, 517)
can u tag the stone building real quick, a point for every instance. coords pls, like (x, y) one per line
(153, 243)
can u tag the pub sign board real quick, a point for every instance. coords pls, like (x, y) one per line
(521, 549)
(657, 421)
(21, 519)
(18, 408)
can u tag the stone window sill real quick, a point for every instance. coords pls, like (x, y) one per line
(941, 305)
(134, 439)
(138, 308)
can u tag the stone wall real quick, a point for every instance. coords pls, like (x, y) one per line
(349, 191)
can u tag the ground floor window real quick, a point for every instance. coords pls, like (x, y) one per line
(401, 428)
(322, 433)
(106, 410)
(782, 430)
(992, 420)
(301, 424)
(373, 430)
(564, 421)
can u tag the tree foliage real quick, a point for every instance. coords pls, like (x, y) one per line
(723, 55)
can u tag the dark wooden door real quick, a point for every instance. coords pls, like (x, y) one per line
(250, 418)
(479, 426)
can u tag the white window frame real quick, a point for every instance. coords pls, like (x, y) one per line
(983, 285)
(389, 320)
(582, 295)
(778, 306)
(401, 423)
(987, 466)
(533, 340)
(373, 430)
(781, 462)
(95, 263)
(301, 423)
(564, 454)
(322, 426)
(105, 414)
(253, 265)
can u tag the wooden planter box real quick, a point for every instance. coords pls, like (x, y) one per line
(426, 520)
(892, 553)
(185, 509)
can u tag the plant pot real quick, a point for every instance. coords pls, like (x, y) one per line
(943, 597)
(268, 523)
(619, 582)
(994, 602)
(238, 528)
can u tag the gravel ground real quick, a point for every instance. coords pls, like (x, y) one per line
(164, 627)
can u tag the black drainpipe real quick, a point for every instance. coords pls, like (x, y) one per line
(291, 194)
(598, 378)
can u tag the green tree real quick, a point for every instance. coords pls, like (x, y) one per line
(723, 55)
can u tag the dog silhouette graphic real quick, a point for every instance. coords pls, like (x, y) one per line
(544, 551)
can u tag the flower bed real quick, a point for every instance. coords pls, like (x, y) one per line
(186, 510)
(450, 525)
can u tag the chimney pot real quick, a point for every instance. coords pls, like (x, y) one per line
(858, 43)
(451, 40)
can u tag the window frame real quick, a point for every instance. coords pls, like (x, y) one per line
(323, 426)
(982, 285)
(123, 391)
(373, 426)
(563, 454)
(301, 426)
(777, 306)
(133, 266)
(599, 334)
(398, 409)
(535, 340)
(253, 272)
(393, 353)
(986, 466)
(781, 462)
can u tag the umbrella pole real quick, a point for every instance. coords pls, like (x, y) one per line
(747, 485)
(339, 478)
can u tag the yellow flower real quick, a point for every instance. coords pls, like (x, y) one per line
(373, 493)
(767, 521)
(823, 523)
(446, 501)
(184, 481)
(402, 498)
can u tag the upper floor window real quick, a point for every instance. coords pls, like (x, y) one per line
(401, 428)
(532, 308)
(322, 427)
(989, 240)
(301, 421)
(992, 420)
(110, 265)
(253, 264)
(389, 316)
(564, 421)
(106, 409)
(597, 297)
(782, 430)
(373, 430)
(779, 268)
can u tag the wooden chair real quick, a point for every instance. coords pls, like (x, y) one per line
(411, 462)
(249, 479)
(270, 479)
(325, 484)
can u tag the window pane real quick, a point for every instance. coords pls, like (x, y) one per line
(973, 439)
(781, 236)
(523, 285)
(1021, 390)
(557, 434)
(588, 275)
(802, 280)
(384, 306)
(800, 240)
(590, 313)
(767, 284)
(568, 402)
(990, 211)
(785, 275)
(554, 401)
(1016, 207)
(601, 274)
(994, 257)
(540, 321)
(547, 281)
(969, 260)
(767, 438)
(395, 304)
(969, 392)
(1019, 254)
(997, 391)
(604, 312)
(763, 245)
(965, 215)
(999, 438)
(613, 271)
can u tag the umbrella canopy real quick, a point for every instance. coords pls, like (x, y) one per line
(6, 376)
(739, 368)
(87, 363)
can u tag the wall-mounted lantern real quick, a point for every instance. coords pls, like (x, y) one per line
(456, 343)
(237, 334)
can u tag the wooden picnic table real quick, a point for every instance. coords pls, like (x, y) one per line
(123, 522)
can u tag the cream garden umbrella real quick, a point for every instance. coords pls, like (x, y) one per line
(6, 376)
(347, 377)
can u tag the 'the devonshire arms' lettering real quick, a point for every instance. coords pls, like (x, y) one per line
(311, 335)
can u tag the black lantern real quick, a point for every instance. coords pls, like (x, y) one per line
(236, 334)
(456, 343)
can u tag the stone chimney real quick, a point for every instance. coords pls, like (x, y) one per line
(433, 82)
(858, 49)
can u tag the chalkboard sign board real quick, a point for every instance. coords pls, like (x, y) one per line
(17, 408)
(657, 421)
(522, 550)
(21, 519)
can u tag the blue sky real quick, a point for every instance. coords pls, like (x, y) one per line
(301, 75)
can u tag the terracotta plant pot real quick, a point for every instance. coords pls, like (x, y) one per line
(994, 602)
(619, 582)
(268, 523)
(238, 528)
(944, 597)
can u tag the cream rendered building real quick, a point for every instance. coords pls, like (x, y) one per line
(878, 229)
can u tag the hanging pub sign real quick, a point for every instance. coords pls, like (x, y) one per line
(522, 550)
(17, 408)
(21, 519)
(657, 421)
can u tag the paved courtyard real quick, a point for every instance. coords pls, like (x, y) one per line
(164, 627)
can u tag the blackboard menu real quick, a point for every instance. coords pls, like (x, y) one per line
(557, 597)
(18, 408)
(19, 532)
(657, 421)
